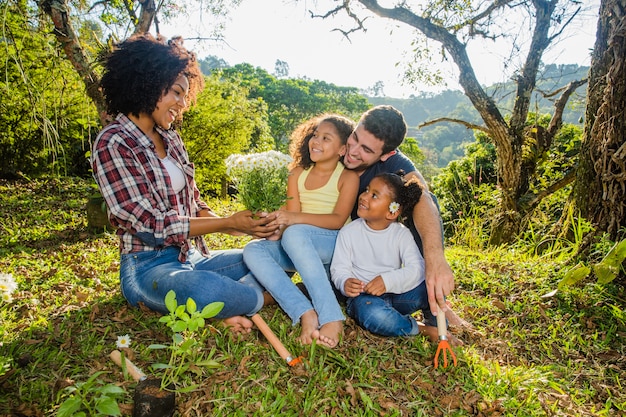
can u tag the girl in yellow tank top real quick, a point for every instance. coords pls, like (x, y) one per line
(321, 194)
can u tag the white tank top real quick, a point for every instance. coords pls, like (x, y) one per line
(177, 178)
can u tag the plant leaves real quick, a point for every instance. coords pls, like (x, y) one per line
(108, 406)
(179, 326)
(191, 306)
(605, 273)
(170, 301)
(212, 309)
(69, 407)
(157, 346)
(574, 275)
(616, 255)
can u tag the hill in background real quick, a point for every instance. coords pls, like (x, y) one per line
(444, 142)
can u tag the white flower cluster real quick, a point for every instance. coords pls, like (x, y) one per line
(236, 164)
(7, 286)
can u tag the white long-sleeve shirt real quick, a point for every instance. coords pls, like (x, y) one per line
(364, 253)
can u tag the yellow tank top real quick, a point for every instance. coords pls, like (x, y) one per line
(321, 200)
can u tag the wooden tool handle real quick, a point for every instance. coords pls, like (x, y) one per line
(442, 328)
(271, 337)
(136, 373)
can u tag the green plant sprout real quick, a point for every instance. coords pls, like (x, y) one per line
(186, 353)
(91, 398)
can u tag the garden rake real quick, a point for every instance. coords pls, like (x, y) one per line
(444, 346)
(274, 341)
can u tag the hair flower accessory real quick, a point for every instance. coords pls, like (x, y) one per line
(394, 207)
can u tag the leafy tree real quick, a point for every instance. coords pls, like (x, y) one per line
(454, 24)
(292, 101)
(600, 191)
(45, 122)
(469, 185)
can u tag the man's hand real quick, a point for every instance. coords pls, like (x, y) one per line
(439, 282)
(353, 287)
(376, 286)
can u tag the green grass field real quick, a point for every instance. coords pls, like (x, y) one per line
(529, 352)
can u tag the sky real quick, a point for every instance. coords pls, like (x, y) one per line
(261, 32)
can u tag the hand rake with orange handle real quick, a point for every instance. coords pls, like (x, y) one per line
(274, 341)
(444, 346)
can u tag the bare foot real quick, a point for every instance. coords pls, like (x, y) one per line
(454, 319)
(329, 334)
(268, 300)
(238, 324)
(309, 324)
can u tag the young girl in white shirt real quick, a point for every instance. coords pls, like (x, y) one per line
(378, 266)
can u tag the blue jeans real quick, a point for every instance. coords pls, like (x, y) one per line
(147, 276)
(390, 314)
(308, 250)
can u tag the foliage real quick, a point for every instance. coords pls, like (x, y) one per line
(260, 179)
(468, 186)
(188, 339)
(527, 354)
(91, 398)
(223, 122)
(46, 121)
(609, 268)
(292, 101)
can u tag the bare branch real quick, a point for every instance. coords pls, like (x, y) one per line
(559, 32)
(559, 106)
(472, 21)
(468, 125)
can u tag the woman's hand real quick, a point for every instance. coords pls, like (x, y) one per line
(259, 226)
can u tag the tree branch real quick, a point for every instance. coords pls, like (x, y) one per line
(468, 125)
(559, 106)
(534, 201)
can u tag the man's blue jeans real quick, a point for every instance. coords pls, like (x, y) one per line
(308, 250)
(390, 314)
(147, 276)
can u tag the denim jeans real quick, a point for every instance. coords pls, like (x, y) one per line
(390, 314)
(307, 249)
(147, 276)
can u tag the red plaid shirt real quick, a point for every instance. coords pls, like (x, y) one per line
(141, 202)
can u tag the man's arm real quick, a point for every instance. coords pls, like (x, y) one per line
(439, 276)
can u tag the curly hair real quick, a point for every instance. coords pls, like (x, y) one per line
(387, 124)
(300, 137)
(139, 70)
(406, 192)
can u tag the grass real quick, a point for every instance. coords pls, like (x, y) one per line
(526, 355)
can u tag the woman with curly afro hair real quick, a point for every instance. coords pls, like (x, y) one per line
(144, 174)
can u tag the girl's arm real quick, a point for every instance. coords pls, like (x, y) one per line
(348, 188)
(411, 273)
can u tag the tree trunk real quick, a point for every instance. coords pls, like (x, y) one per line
(600, 189)
(59, 13)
